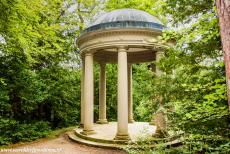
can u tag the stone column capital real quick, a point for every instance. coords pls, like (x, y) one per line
(160, 52)
(158, 48)
(88, 54)
(102, 64)
(159, 55)
(122, 48)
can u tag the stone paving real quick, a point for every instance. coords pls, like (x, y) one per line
(108, 131)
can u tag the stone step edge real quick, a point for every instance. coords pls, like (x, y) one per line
(100, 140)
(74, 138)
(77, 139)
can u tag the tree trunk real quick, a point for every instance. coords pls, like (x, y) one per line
(223, 10)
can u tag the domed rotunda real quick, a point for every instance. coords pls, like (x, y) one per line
(123, 37)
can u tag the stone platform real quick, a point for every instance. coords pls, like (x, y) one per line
(105, 134)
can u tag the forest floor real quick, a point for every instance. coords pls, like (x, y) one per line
(58, 145)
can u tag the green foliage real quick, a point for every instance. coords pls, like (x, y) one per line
(11, 131)
(111, 90)
(151, 6)
(193, 85)
(142, 92)
(142, 89)
(39, 73)
(185, 11)
(142, 81)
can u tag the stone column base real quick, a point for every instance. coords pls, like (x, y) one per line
(81, 125)
(131, 120)
(102, 121)
(88, 132)
(160, 133)
(152, 122)
(122, 137)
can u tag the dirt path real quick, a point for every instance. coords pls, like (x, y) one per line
(60, 145)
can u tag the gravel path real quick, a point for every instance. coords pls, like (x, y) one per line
(60, 145)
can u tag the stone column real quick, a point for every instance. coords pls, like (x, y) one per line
(82, 92)
(88, 95)
(130, 95)
(159, 119)
(102, 95)
(158, 72)
(122, 101)
(159, 55)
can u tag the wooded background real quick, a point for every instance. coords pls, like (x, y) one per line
(40, 71)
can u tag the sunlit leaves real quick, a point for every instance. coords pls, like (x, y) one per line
(151, 6)
(197, 100)
(185, 11)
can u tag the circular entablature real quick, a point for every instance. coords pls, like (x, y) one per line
(137, 31)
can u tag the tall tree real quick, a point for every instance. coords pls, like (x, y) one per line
(223, 10)
(39, 70)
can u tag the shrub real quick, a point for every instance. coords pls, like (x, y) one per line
(11, 131)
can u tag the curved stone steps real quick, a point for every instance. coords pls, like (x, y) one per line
(72, 136)
(99, 140)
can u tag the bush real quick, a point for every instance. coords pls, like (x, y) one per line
(11, 131)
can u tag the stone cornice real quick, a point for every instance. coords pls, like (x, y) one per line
(116, 32)
(133, 41)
